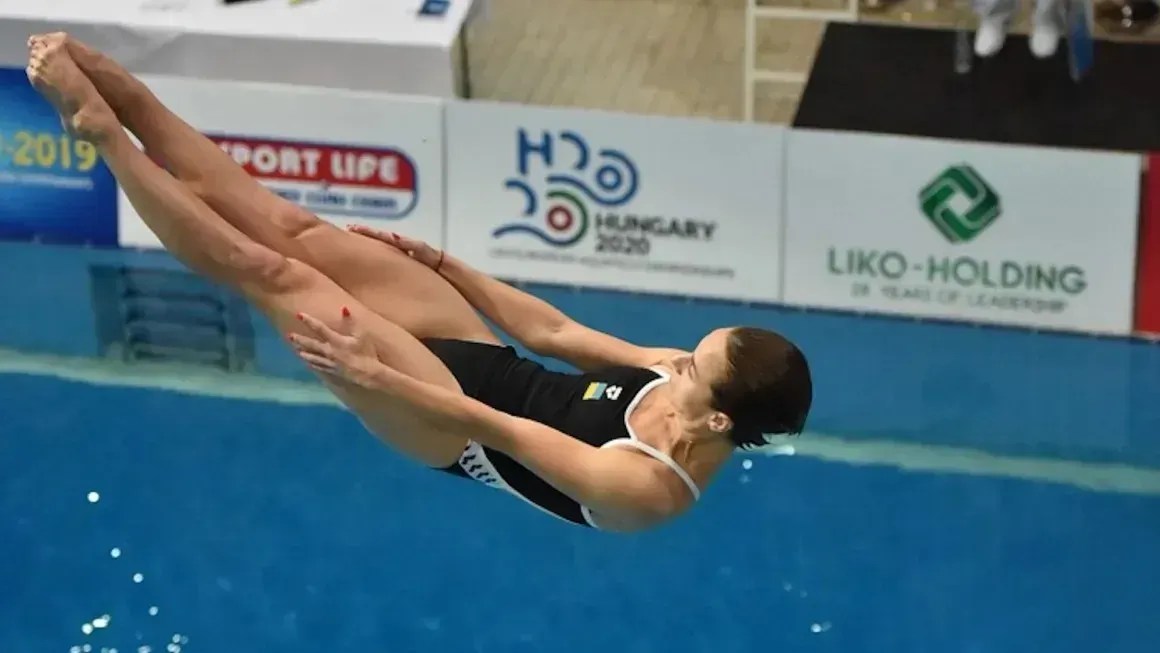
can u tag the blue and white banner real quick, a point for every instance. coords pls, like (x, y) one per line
(53, 187)
(977, 232)
(619, 201)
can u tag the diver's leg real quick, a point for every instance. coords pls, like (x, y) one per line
(384, 279)
(281, 287)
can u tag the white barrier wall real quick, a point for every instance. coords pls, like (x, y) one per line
(617, 201)
(351, 158)
(388, 46)
(1025, 236)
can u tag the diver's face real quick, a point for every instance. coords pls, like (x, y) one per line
(696, 375)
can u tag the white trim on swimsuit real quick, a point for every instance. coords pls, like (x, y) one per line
(475, 463)
(635, 442)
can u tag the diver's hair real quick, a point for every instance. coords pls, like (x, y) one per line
(768, 389)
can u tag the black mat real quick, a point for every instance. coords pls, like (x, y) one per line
(902, 81)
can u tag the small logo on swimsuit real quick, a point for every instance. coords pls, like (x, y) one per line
(596, 391)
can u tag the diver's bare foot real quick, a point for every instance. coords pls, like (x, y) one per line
(56, 76)
(80, 52)
(121, 90)
(77, 50)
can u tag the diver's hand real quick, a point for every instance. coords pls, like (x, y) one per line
(413, 247)
(344, 353)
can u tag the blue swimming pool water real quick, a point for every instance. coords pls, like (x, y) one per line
(260, 526)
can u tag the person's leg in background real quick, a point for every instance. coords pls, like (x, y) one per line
(994, 20)
(381, 277)
(281, 287)
(995, 17)
(1048, 24)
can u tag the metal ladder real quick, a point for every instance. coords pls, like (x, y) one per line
(755, 12)
(151, 315)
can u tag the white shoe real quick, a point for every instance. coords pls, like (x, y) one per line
(990, 36)
(1044, 40)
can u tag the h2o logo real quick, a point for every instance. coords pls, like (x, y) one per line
(560, 179)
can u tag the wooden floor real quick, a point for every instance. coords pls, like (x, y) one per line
(666, 57)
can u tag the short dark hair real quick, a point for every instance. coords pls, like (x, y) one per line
(768, 389)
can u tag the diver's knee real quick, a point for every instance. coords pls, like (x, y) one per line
(262, 266)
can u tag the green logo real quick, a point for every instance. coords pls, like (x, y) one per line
(959, 203)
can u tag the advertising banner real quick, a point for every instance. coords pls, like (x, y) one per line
(350, 158)
(53, 187)
(999, 234)
(1148, 279)
(638, 203)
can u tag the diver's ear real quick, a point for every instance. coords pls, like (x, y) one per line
(720, 423)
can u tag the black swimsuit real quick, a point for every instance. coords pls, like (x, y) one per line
(592, 407)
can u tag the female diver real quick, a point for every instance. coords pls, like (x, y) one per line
(390, 326)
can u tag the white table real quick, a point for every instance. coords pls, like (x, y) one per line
(366, 45)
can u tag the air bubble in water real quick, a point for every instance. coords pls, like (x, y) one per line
(101, 621)
(176, 638)
(94, 497)
(153, 611)
(116, 553)
(75, 649)
(137, 578)
(144, 649)
(87, 629)
(746, 464)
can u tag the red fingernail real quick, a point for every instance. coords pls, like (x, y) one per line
(345, 312)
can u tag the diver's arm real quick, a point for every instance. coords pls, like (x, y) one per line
(536, 324)
(615, 482)
(543, 328)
